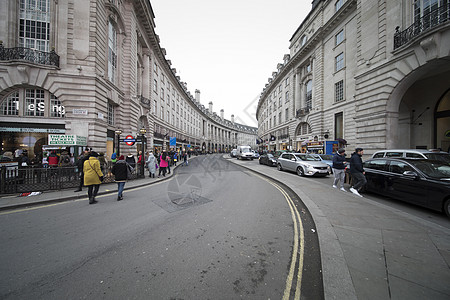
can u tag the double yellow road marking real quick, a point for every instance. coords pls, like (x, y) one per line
(298, 249)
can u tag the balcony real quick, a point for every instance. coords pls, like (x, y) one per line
(29, 55)
(428, 21)
(302, 112)
(145, 102)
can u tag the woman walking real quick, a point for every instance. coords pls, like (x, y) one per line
(163, 164)
(93, 176)
(151, 164)
(120, 171)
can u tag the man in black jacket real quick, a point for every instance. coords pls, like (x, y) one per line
(339, 169)
(120, 170)
(357, 171)
(80, 162)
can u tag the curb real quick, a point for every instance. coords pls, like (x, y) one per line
(75, 197)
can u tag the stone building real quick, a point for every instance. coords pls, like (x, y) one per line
(95, 70)
(373, 74)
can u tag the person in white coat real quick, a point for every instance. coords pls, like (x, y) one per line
(151, 164)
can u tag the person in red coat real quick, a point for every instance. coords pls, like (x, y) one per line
(53, 159)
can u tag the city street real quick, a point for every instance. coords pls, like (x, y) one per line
(213, 231)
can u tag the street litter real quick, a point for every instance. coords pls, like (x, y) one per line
(29, 194)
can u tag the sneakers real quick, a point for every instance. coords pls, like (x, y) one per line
(334, 186)
(342, 189)
(355, 192)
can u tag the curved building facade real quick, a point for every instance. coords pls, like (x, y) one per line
(360, 73)
(93, 70)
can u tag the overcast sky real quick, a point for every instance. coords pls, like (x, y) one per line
(228, 48)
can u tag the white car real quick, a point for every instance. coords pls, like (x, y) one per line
(244, 152)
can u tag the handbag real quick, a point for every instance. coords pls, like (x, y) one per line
(156, 166)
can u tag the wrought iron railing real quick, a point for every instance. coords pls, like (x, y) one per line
(428, 21)
(29, 55)
(33, 179)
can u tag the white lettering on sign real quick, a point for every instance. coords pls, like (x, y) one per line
(41, 107)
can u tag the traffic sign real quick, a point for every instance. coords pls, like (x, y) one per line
(129, 140)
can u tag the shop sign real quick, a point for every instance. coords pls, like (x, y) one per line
(315, 145)
(44, 130)
(68, 140)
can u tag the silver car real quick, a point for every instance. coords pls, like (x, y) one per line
(303, 164)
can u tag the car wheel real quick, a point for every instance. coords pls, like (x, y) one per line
(300, 171)
(447, 207)
(279, 167)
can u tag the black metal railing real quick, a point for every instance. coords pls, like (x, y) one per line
(33, 179)
(29, 55)
(302, 112)
(428, 21)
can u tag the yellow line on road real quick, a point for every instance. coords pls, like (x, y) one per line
(297, 249)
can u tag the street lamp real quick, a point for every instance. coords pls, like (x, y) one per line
(143, 131)
(118, 133)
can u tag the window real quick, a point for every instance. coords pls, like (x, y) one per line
(287, 82)
(339, 91)
(287, 114)
(112, 52)
(308, 68)
(303, 40)
(34, 24)
(279, 88)
(376, 165)
(155, 86)
(339, 126)
(162, 113)
(287, 96)
(339, 62)
(308, 95)
(274, 120)
(339, 4)
(339, 37)
(279, 118)
(10, 106)
(34, 102)
(429, 13)
(280, 102)
(110, 116)
(162, 94)
(154, 107)
(57, 110)
(399, 167)
(168, 99)
(155, 69)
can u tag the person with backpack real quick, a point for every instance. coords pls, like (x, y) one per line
(120, 170)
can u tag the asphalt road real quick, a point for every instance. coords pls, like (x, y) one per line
(213, 231)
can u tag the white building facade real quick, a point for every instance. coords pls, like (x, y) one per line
(96, 69)
(361, 73)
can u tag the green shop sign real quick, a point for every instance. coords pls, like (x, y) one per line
(67, 140)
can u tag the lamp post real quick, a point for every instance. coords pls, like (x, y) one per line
(118, 133)
(143, 131)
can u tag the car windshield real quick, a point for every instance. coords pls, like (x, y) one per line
(269, 155)
(439, 156)
(307, 157)
(434, 169)
(326, 157)
(244, 150)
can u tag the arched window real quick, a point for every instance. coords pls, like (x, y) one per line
(32, 102)
(303, 129)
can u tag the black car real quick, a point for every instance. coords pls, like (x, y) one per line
(268, 159)
(422, 182)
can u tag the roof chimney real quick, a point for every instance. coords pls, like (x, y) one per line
(221, 114)
(232, 119)
(210, 107)
(197, 95)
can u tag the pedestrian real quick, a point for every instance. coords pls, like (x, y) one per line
(185, 159)
(141, 163)
(357, 171)
(163, 164)
(93, 176)
(102, 161)
(53, 159)
(339, 169)
(151, 165)
(121, 175)
(131, 160)
(175, 158)
(114, 157)
(80, 165)
(64, 159)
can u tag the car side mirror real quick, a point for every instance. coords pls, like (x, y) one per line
(411, 174)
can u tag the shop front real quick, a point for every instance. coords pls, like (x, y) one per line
(27, 137)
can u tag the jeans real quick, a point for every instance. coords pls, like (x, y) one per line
(120, 187)
(358, 180)
(93, 190)
(339, 176)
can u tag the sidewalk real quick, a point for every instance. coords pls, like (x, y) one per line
(52, 196)
(370, 250)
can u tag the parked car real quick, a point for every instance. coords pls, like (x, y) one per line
(244, 152)
(326, 158)
(255, 154)
(422, 182)
(414, 153)
(233, 153)
(302, 164)
(268, 159)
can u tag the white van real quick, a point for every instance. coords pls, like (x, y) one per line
(244, 152)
